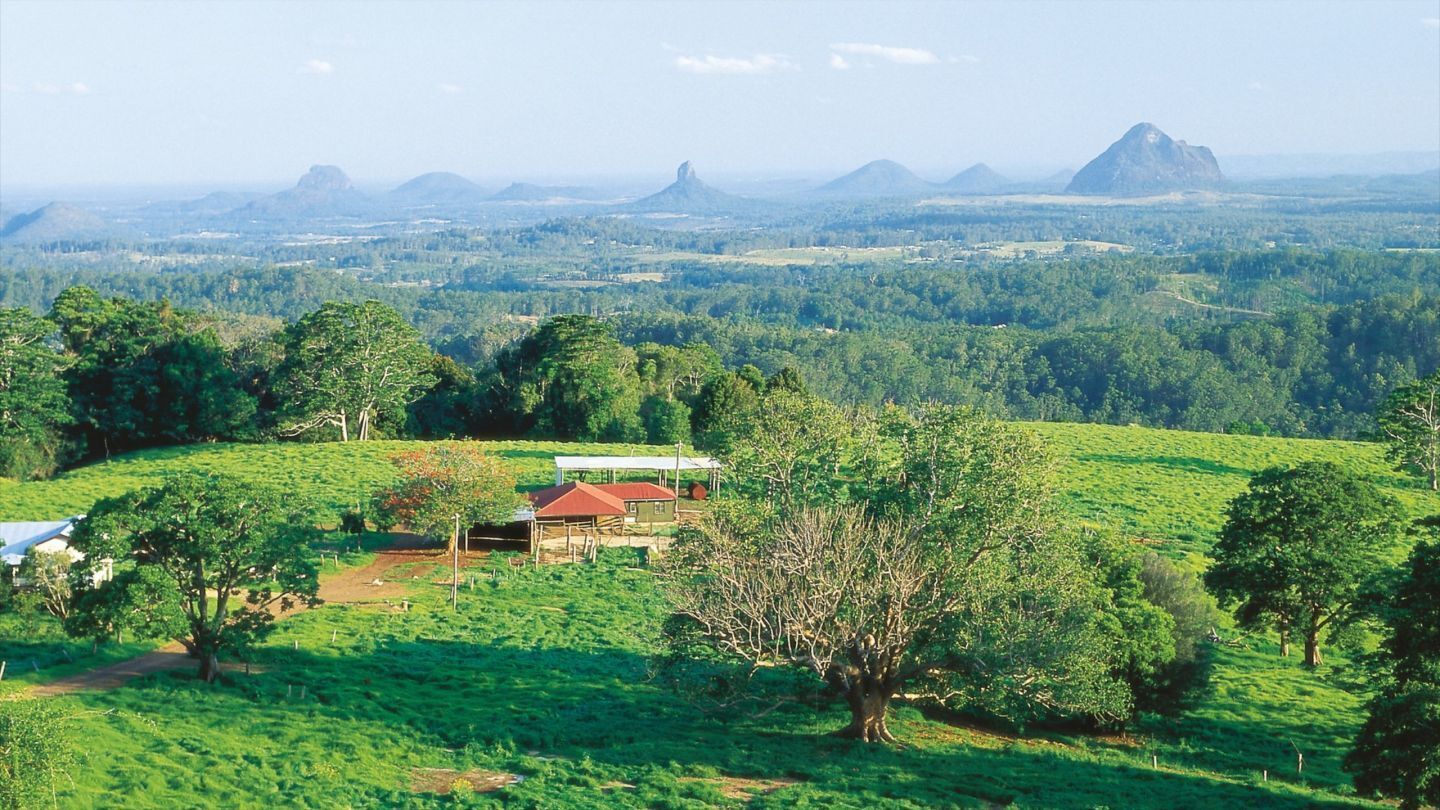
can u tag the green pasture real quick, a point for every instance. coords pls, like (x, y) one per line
(1169, 486)
(333, 475)
(546, 674)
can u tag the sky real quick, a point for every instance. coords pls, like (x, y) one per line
(245, 94)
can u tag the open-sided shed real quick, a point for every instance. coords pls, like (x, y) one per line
(667, 469)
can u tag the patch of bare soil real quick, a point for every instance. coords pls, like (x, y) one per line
(359, 586)
(742, 788)
(373, 583)
(442, 781)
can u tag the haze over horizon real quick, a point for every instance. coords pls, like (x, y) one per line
(253, 93)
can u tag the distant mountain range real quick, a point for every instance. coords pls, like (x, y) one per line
(1143, 161)
(530, 192)
(1147, 161)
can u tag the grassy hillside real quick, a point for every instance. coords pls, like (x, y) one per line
(1172, 485)
(546, 674)
(334, 475)
(1165, 485)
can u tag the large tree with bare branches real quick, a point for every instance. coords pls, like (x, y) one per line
(949, 581)
(1410, 422)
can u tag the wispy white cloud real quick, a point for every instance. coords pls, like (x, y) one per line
(317, 67)
(838, 62)
(1258, 87)
(900, 56)
(735, 66)
(79, 88)
(1431, 22)
(449, 89)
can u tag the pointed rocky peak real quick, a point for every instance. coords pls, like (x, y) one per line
(688, 194)
(1147, 161)
(324, 178)
(1144, 132)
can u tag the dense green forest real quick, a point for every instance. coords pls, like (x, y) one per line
(1284, 342)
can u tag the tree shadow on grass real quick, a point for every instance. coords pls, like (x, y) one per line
(576, 719)
(1186, 463)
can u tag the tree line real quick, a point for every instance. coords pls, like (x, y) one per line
(101, 375)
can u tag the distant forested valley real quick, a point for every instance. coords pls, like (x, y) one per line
(1022, 316)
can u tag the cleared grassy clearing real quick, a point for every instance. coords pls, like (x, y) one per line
(1166, 485)
(332, 474)
(1172, 485)
(545, 674)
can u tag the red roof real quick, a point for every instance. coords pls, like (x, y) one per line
(642, 491)
(575, 499)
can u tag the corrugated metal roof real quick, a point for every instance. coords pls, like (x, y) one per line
(18, 537)
(634, 463)
(637, 491)
(575, 499)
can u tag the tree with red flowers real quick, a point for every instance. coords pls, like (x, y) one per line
(445, 480)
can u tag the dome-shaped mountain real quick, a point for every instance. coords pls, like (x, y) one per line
(978, 179)
(56, 222)
(530, 192)
(321, 192)
(1146, 161)
(878, 178)
(688, 195)
(436, 188)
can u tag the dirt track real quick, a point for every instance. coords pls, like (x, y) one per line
(350, 587)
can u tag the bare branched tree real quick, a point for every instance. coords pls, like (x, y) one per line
(1410, 421)
(956, 589)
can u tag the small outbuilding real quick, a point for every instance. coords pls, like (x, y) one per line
(663, 466)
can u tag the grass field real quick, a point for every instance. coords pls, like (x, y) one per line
(546, 674)
(1164, 485)
(332, 474)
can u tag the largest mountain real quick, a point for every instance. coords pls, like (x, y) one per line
(1147, 161)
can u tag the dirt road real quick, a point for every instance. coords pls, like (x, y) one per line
(354, 586)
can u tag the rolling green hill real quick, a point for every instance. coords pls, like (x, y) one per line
(1169, 486)
(545, 674)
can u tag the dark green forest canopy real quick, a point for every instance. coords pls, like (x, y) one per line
(1289, 341)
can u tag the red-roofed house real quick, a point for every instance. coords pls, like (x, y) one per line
(579, 503)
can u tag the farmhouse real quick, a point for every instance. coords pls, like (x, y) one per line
(601, 506)
(41, 537)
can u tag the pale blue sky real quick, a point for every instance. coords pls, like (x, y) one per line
(253, 93)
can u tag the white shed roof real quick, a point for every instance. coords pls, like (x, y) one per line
(17, 538)
(634, 463)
